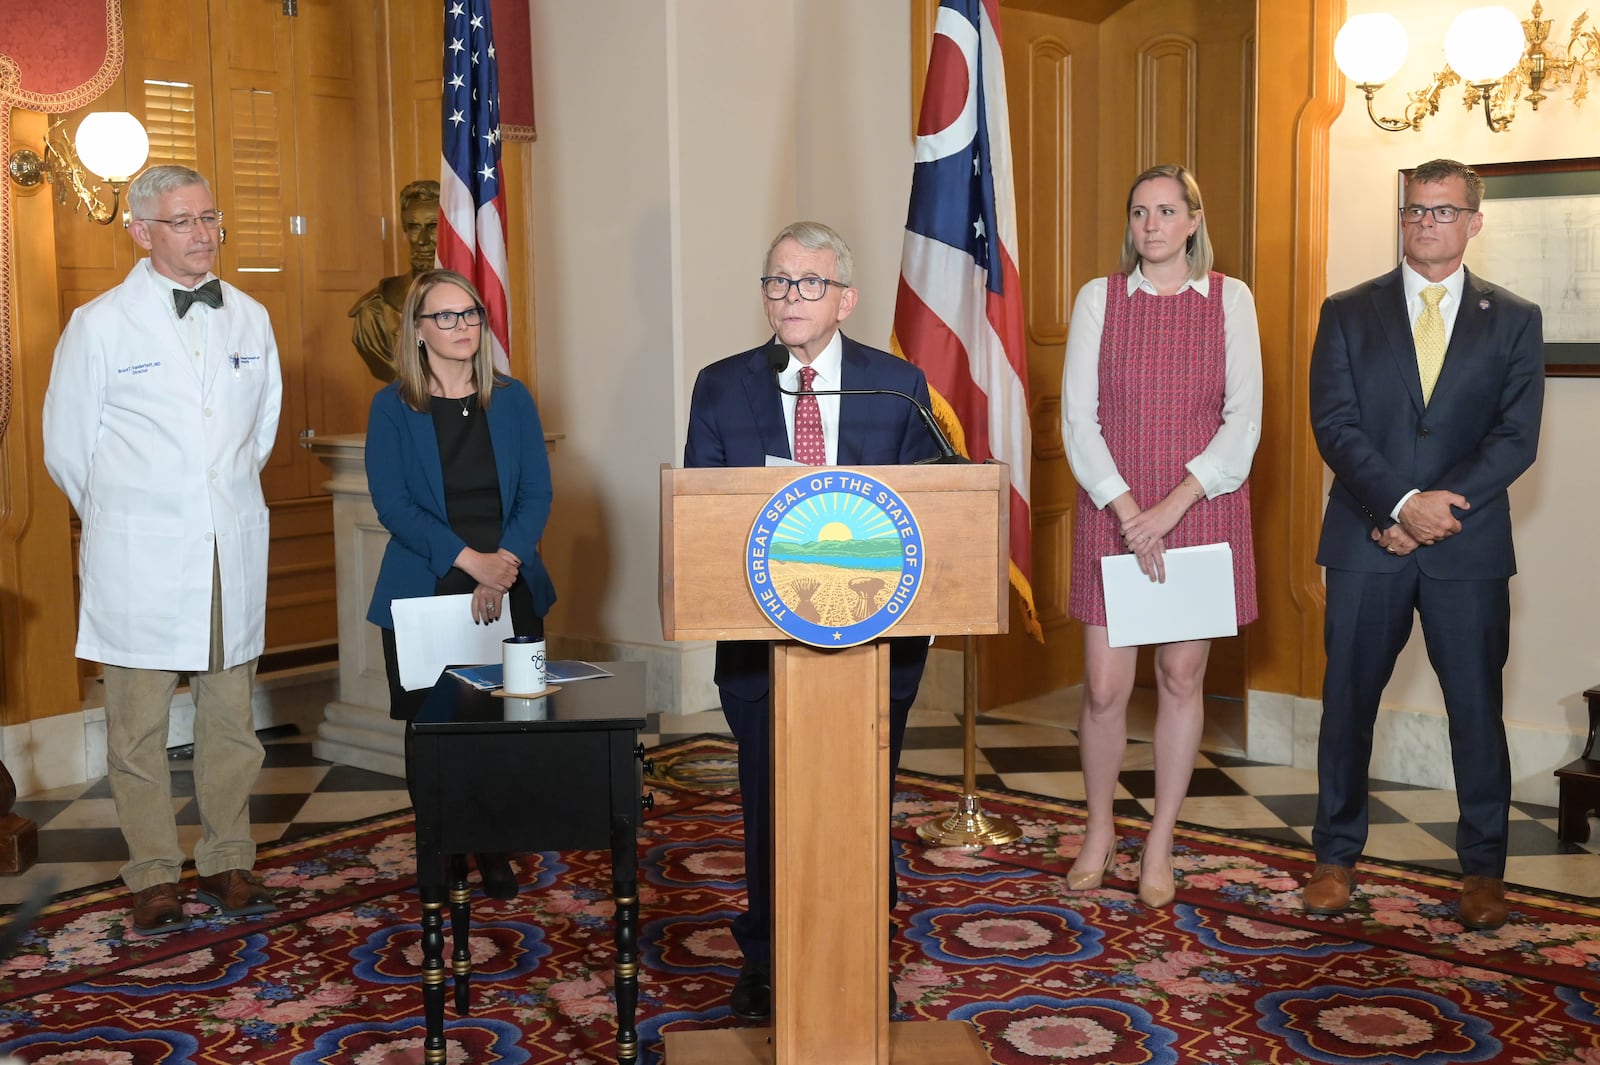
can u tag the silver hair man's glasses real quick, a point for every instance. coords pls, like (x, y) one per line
(811, 288)
(211, 220)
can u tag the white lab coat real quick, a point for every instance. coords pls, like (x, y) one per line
(160, 452)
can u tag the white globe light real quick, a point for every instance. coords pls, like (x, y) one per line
(1483, 43)
(112, 144)
(1370, 48)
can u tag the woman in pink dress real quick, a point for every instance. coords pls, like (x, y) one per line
(1162, 413)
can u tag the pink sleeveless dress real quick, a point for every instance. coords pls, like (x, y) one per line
(1163, 369)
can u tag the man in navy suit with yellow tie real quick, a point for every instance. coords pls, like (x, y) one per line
(1427, 386)
(738, 417)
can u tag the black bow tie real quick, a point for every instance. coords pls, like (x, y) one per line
(209, 294)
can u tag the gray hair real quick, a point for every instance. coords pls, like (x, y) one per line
(817, 237)
(156, 182)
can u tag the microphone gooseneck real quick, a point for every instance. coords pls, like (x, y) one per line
(778, 360)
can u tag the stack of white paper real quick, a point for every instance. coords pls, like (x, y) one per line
(1195, 602)
(432, 632)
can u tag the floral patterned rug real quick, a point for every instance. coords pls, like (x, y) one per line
(1232, 974)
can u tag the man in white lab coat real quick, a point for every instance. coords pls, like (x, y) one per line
(161, 412)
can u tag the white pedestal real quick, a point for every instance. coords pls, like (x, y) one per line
(356, 728)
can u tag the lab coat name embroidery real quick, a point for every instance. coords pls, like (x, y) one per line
(139, 368)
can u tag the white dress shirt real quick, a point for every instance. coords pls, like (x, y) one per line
(1448, 306)
(830, 375)
(1224, 465)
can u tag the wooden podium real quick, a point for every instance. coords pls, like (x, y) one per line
(830, 758)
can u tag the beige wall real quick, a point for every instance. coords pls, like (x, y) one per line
(1555, 654)
(675, 137)
(673, 142)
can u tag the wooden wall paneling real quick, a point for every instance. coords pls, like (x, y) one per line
(1245, 262)
(517, 165)
(413, 48)
(302, 598)
(171, 43)
(38, 619)
(1165, 106)
(1043, 187)
(1291, 248)
(253, 83)
(341, 197)
(1051, 71)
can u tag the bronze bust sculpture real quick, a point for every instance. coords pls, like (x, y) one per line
(377, 314)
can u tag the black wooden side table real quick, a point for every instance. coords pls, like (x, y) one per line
(495, 775)
(1580, 782)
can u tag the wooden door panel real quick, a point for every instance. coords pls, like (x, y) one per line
(254, 38)
(1166, 101)
(301, 606)
(341, 197)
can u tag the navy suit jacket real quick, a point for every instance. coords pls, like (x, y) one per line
(406, 479)
(1478, 433)
(736, 419)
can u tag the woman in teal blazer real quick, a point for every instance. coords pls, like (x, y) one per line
(459, 475)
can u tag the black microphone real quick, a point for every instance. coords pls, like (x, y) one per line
(778, 359)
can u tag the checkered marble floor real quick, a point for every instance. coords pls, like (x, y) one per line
(1028, 746)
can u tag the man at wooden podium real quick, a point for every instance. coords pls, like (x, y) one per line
(739, 417)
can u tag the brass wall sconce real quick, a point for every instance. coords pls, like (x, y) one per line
(110, 144)
(1488, 50)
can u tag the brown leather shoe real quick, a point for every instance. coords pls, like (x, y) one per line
(157, 910)
(1483, 902)
(236, 892)
(1328, 890)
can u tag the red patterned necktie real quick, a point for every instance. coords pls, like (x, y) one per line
(809, 447)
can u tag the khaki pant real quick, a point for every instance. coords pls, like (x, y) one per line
(227, 758)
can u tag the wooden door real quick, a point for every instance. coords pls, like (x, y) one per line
(1098, 91)
(1052, 68)
(282, 114)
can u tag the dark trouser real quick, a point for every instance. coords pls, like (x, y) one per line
(1466, 626)
(751, 724)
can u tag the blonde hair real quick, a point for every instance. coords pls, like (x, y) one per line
(410, 364)
(1198, 247)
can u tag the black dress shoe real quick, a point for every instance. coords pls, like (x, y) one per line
(499, 881)
(752, 992)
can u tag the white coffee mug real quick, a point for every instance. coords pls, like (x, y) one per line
(523, 659)
(518, 708)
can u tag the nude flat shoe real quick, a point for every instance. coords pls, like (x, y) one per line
(1089, 879)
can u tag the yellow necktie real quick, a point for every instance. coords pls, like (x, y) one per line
(1429, 338)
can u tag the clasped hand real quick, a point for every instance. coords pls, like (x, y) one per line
(1145, 536)
(1394, 540)
(495, 573)
(1427, 517)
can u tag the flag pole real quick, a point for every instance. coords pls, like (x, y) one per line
(969, 826)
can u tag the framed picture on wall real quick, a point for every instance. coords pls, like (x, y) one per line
(1541, 240)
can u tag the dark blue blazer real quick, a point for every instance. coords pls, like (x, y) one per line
(736, 419)
(406, 479)
(1477, 435)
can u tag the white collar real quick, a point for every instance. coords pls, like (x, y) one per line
(1136, 281)
(1415, 282)
(829, 364)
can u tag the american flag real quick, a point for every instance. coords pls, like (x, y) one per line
(472, 217)
(958, 312)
